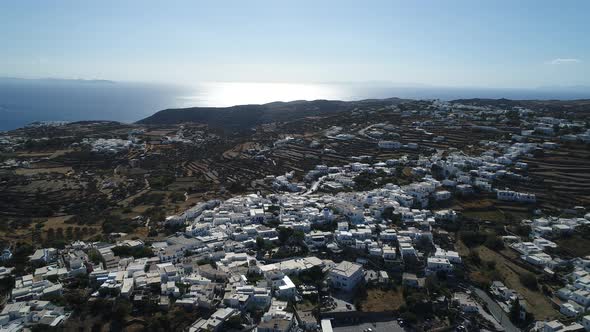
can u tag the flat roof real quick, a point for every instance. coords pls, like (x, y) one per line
(391, 326)
(346, 268)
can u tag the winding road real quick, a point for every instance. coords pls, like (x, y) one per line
(496, 311)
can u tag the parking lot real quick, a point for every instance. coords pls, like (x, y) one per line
(391, 326)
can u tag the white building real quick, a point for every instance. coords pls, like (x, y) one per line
(346, 275)
(389, 145)
(442, 195)
(435, 264)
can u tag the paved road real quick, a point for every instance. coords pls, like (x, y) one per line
(496, 311)
(314, 186)
(392, 326)
(363, 132)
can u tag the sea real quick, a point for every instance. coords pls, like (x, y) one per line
(23, 101)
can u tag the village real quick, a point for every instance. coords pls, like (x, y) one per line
(423, 227)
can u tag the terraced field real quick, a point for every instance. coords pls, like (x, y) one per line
(561, 178)
(235, 165)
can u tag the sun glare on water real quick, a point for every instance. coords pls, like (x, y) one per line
(237, 93)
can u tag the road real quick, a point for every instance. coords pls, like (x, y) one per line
(363, 131)
(314, 186)
(496, 311)
(392, 326)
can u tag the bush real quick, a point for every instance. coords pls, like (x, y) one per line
(139, 252)
(315, 275)
(409, 317)
(176, 197)
(529, 281)
(491, 265)
(114, 224)
(149, 199)
(285, 234)
(121, 310)
(160, 181)
(155, 214)
(472, 238)
(94, 256)
(523, 230)
(494, 242)
(474, 258)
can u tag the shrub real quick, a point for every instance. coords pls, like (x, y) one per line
(472, 238)
(474, 258)
(409, 317)
(176, 196)
(529, 281)
(139, 252)
(494, 242)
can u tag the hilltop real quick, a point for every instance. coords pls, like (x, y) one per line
(557, 106)
(247, 116)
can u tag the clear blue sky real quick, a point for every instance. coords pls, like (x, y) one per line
(445, 43)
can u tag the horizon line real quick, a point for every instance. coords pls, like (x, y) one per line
(385, 83)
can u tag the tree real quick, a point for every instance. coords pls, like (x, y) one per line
(234, 322)
(494, 242)
(529, 281)
(176, 196)
(472, 238)
(69, 231)
(437, 172)
(75, 299)
(409, 317)
(523, 230)
(363, 181)
(389, 214)
(474, 258)
(94, 256)
(50, 233)
(314, 275)
(513, 115)
(121, 310)
(138, 252)
(298, 237)
(259, 243)
(515, 311)
(284, 234)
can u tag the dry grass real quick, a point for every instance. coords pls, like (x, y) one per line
(492, 215)
(56, 222)
(382, 300)
(576, 245)
(32, 171)
(50, 154)
(472, 204)
(237, 150)
(510, 273)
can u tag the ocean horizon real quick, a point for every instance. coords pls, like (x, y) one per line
(23, 101)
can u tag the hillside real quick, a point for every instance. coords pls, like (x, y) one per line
(576, 106)
(247, 116)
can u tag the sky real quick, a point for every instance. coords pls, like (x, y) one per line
(500, 44)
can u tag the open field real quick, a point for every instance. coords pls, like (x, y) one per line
(489, 209)
(509, 272)
(379, 300)
(576, 245)
(32, 171)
